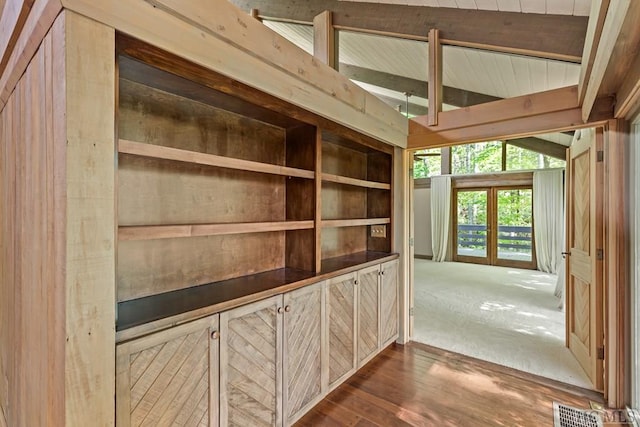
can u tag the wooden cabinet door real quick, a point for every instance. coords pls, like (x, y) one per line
(302, 350)
(169, 378)
(388, 302)
(368, 314)
(250, 364)
(341, 328)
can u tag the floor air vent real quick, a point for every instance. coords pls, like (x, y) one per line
(566, 416)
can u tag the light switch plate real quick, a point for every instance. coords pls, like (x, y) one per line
(378, 231)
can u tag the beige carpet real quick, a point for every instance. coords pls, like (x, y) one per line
(503, 315)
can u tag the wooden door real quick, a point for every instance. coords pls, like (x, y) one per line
(250, 364)
(341, 328)
(170, 377)
(388, 302)
(584, 269)
(368, 314)
(303, 337)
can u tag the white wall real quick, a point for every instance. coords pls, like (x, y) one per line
(422, 221)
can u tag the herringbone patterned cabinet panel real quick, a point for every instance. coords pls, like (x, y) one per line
(389, 302)
(165, 379)
(367, 313)
(341, 324)
(302, 383)
(250, 364)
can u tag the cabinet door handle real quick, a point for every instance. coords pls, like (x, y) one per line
(382, 273)
(280, 310)
(215, 335)
(287, 308)
(355, 282)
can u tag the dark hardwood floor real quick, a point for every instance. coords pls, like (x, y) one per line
(419, 385)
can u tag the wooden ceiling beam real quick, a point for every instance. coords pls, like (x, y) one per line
(324, 39)
(497, 111)
(541, 146)
(450, 96)
(544, 112)
(557, 121)
(612, 28)
(547, 36)
(597, 16)
(435, 76)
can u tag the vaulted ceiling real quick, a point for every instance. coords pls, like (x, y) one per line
(533, 46)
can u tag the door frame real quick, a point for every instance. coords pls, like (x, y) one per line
(486, 260)
(616, 282)
(491, 257)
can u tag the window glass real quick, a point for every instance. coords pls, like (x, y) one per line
(480, 157)
(523, 159)
(427, 163)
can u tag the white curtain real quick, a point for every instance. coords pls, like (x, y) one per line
(548, 218)
(440, 216)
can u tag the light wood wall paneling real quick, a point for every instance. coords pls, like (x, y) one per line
(32, 293)
(37, 25)
(90, 251)
(616, 262)
(147, 267)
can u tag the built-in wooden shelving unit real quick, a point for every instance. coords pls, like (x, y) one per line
(168, 153)
(327, 177)
(226, 194)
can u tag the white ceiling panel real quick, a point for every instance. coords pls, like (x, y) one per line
(490, 73)
(559, 138)
(504, 75)
(401, 57)
(551, 7)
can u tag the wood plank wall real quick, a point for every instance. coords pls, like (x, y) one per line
(32, 329)
(57, 232)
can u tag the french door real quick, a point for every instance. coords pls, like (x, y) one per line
(494, 226)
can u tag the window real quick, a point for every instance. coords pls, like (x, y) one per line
(427, 163)
(480, 157)
(523, 159)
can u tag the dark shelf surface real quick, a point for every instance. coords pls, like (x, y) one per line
(348, 262)
(234, 292)
(143, 310)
